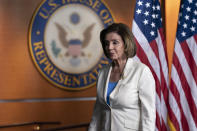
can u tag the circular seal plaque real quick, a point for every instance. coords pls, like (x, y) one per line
(64, 41)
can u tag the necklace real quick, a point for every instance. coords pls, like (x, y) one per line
(121, 71)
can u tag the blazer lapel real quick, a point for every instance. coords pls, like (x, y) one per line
(114, 93)
(106, 83)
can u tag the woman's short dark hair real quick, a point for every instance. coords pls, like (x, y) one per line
(126, 35)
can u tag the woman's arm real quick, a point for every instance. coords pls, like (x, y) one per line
(95, 122)
(147, 97)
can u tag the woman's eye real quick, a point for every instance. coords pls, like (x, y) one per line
(115, 42)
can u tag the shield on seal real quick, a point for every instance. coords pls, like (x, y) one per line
(74, 48)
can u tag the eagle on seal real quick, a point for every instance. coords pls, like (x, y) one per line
(74, 46)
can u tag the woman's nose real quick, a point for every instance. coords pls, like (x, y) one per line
(111, 46)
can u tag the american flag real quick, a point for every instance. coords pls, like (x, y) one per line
(183, 85)
(151, 50)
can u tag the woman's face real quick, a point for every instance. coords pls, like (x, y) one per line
(114, 46)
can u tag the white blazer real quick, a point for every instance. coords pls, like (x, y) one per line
(132, 102)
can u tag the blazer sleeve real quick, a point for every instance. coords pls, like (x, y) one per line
(96, 116)
(147, 96)
(95, 122)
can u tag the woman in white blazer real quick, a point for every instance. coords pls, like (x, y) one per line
(125, 88)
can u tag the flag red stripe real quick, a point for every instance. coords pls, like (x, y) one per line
(190, 59)
(176, 95)
(173, 118)
(154, 47)
(164, 43)
(163, 127)
(195, 38)
(162, 38)
(186, 88)
(158, 124)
